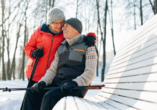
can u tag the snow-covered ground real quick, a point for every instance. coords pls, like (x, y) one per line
(12, 100)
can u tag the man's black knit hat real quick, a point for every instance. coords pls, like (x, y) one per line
(75, 23)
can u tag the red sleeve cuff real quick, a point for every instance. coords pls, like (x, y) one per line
(92, 33)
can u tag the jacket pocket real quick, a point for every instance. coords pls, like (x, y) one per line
(76, 55)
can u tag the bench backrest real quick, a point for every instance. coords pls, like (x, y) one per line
(131, 82)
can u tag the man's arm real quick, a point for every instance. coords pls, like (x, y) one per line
(90, 70)
(51, 72)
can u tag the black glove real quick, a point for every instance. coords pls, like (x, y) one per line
(37, 53)
(90, 40)
(37, 87)
(67, 87)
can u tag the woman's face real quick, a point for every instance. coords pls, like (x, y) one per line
(57, 25)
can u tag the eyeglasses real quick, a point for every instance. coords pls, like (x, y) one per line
(61, 23)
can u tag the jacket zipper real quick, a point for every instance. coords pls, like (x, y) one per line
(49, 52)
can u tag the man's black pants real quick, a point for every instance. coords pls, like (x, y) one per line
(46, 99)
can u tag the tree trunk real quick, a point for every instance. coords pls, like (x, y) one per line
(153, 8)
(8, 63)
(97, 4)
(104, 42)
(49, 4)
(76, 8)
(112, 31)
(155, 5)
(97, 73)
(134, 15)
(3, 41)
(53, 3)
(25, 35)
(13, 61)
(8, 44)
(99, 26)
(141, 12)
(23, 61)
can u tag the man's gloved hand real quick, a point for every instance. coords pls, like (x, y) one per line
(37, 87)
(67, 87)
(90, 40)
(37, 53)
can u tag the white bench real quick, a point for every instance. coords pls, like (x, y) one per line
(131, 82)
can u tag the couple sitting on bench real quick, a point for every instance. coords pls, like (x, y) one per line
(74, 65)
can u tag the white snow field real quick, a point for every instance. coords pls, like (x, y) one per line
(12, 100)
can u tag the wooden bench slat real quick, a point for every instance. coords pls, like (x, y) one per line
(144, 42)
(115, 105)
(137, 51)
(144, 57)
(124, 61)
(144, 63)
(138, 78)
(131, 102)
(61, 104)
(96, 106)
(133, 39)
(152, 49)
(142, 95)
(70, 104)
(88, 104)
(104, 104)
(137, 34)
(142, 70)
(80, 104)
(119, 106)
(150, 86)
(145, 70)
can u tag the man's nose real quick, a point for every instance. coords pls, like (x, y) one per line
(63, 28)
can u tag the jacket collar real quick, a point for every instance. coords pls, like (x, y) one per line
(77, 39)
(45, 29)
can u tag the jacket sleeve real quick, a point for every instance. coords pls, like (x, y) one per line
(31, 44)
(90, 68)
(92, 33)
(51, 72)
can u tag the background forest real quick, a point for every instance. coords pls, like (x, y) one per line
(112, 20)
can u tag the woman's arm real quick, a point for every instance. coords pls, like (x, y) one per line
(31, 44)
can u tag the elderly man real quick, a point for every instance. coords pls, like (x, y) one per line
(74, 65)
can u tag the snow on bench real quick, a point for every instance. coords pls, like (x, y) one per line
(131, 82)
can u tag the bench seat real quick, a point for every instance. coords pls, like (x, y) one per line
(131, 82)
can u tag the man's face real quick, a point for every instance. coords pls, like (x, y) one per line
(57, 25)
(69, 31)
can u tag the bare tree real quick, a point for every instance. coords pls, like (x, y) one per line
(98, 29)
(8, 43)
(13, 60)
(76, 8)
(134, 15)
(155, 5)
(53, 3)
(153, 8)
(3, 41)
(112, 31)
(104, 41)
(25, 35)
(141, 12)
